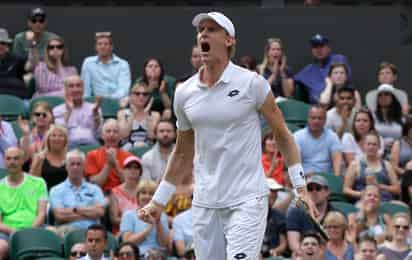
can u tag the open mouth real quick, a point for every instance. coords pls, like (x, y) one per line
(205, 46)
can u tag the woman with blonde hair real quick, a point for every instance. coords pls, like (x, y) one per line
(147, 236)
(32, 140)
(50, 162)
(50, 74)
(275, 70)
(397, 248)
(338, 246)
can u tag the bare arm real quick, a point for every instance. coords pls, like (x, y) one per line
(281, 247)
(337, 163)
(349, 180)
(41, 213)
(101, 177)
(115, 217)
(93, 211)
(395, 153)
(180, 247)
(137, 238)
(294, 241)
(125, 123)
(4, 228)
(288, 86)
(348, 157)
(64, 215)
(283, 137)
(161, 234)
(181, 160)
(37, 164)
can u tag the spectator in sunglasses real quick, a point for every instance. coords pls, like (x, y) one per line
(78, 250)
(50, 74)
(32, 43)
(397, 248)
(127, 251)
(297, 222)
(137, 121)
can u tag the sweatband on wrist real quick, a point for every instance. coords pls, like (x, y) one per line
(297, 176)
(164, 192)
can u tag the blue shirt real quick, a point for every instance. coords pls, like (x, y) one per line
(316, 153)
(131, 223)
(349, 254)
(66, 195)
(7, 139)
(110, 79)
(312, 77)
(183, 227)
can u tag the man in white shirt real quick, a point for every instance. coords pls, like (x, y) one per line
(219, 134)
(96, 241)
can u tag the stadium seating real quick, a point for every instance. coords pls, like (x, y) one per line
(34, 243)
(11, 107)
(16, 129)
(87, 147)
(391, 208)
(109, 106)
(295, 112)
(52, 101)
(344, 207)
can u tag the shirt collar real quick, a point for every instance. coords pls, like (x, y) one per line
(225, 77)
(72, 187)
(114, 59)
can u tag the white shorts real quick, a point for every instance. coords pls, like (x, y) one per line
(230, 233)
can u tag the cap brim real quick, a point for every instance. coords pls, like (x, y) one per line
(200, 17)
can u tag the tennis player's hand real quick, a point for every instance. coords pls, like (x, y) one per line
(150, 211)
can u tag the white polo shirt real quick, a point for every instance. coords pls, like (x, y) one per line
(225, 119)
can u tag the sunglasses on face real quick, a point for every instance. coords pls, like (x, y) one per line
(57, 46)
(38, 20)
(40, 114)
(400, 227)
(77, 254)
(126, 254)
(314, 187)
(145, 94)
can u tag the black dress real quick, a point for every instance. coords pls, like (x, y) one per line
(53, 175)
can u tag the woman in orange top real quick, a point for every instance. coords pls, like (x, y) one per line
(272, 160)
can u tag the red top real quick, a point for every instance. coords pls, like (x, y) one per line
(277, 173)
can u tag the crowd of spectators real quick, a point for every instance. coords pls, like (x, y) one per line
(365, 142)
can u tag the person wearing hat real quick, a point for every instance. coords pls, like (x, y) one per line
(34, 40)
(386, 106)
(313, 76)
(297, 222)
(76, 203)
(11, 68)
(222, 103)
(123, 196)
(388, 74)
(274, 240)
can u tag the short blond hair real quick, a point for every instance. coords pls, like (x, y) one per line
(146, 185)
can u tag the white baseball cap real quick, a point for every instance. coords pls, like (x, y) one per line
(219, 18)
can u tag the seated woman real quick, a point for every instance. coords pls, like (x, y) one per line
(137, 122)
(338, 247)
(50, 74)
(388, 74)
(371, 169)
(145, 236)
(32, 140)
(352, 144)
(397, 248)
(337, 78)
(123, 197)
(127, 251)
(275, 69)
(272, 159)
(368, 221)
(159, 85)
(401, 153)
(388, 115)
(50, 162)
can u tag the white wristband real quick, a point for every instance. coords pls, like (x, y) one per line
(297, 176)
(164, 192)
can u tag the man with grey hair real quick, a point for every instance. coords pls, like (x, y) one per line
(82, 119)
(104, 165)
(75, 202)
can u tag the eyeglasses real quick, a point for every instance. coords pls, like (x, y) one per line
(77, 254)
(40, 114)
(333, 227)
(315, 187)
(58, 46)
(145, 94)
(126, 254)
(401, 227)
(38, 20)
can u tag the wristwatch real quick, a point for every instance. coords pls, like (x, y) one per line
(75, 210)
